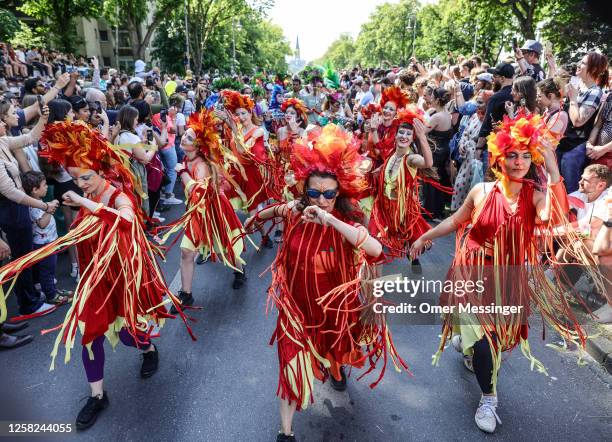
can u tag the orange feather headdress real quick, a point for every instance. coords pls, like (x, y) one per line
(298, 105)
(233, 100)
(369, 110)
(207, 138)
(334, 151)
(74, 144)
(409, 114)
(523, 132)
(396, 95)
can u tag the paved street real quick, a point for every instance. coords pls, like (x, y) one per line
(222, 387)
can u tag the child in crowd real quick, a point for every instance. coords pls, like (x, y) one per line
(44, 231)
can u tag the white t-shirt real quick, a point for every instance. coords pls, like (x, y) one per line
(42, 235)
(586, 211)
(180, 119)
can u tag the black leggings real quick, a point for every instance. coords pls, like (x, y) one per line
(482, 362)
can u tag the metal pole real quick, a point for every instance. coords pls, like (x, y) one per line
(475, 37)
(233, 47)
(414, 24)
(188, 65)
(117, 38)
(404, 55)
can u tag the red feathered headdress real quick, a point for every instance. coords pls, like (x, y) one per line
(334, 151)
(233, 100)
(369, 110)
(74, 144)
(207, 139)
(298, 105)
(396, 95)
(409, 114)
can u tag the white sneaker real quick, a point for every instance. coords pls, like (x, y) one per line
(171, 199)
(457, 344)
(156, 214)
(38, 287)
(45, 309)
(74, 272)
(467, 359)
(486, 417)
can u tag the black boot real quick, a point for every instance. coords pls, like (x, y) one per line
(266, 242)
(89, 413)
(239, 279)
(8, 342)
(150, 362)
(282, 437)
(186, 299)
(339, 385)
(13, 328)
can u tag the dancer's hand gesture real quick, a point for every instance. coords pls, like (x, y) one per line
(417, 247)
(315, 214)
(71, 198)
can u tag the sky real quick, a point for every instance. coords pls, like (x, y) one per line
(319, 22)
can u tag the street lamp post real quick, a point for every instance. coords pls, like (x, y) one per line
(187, 66)
(233, 46)
(414, 25)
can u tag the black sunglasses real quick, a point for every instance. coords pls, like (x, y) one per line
(329, 194)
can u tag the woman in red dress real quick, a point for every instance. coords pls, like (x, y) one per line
(316, 282)
(210, 222)
(120, 294)
(397, 219)
(383, 126)
(503, 229)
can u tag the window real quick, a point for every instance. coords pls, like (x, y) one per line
(124, 40)
(106, 61)
(103, 35)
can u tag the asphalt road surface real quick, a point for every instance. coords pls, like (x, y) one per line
(222, 387)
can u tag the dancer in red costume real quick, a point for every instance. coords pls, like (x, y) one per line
(503, 228)
(121, 290)
(252, 174)
(316, 283)
(210, 223)
(296, 121)
(396, 219)
(384, 126)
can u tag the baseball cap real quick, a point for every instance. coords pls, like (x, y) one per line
(485, 76)
(358, 79)
(503, 70)
(181, 89)
(532, 45)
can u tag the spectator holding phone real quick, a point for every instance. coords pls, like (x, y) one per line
(14, 203)
(528, 58)
(582, 110)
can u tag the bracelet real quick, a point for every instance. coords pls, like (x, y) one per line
(46, 207)
(519, 58)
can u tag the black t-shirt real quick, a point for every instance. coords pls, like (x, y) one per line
(496, 109)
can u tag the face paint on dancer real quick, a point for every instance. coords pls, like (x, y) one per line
(404, 137)
(516, 163)
(187, 142)
(389, 111)
(243, 115)
(291, 114)
(322, 185)
(86, 179)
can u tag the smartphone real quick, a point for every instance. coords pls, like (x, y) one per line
(40, 102)
(150, 135)
(514, 44)
(163, 114)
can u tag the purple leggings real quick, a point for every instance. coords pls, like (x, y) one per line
(94, 369)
